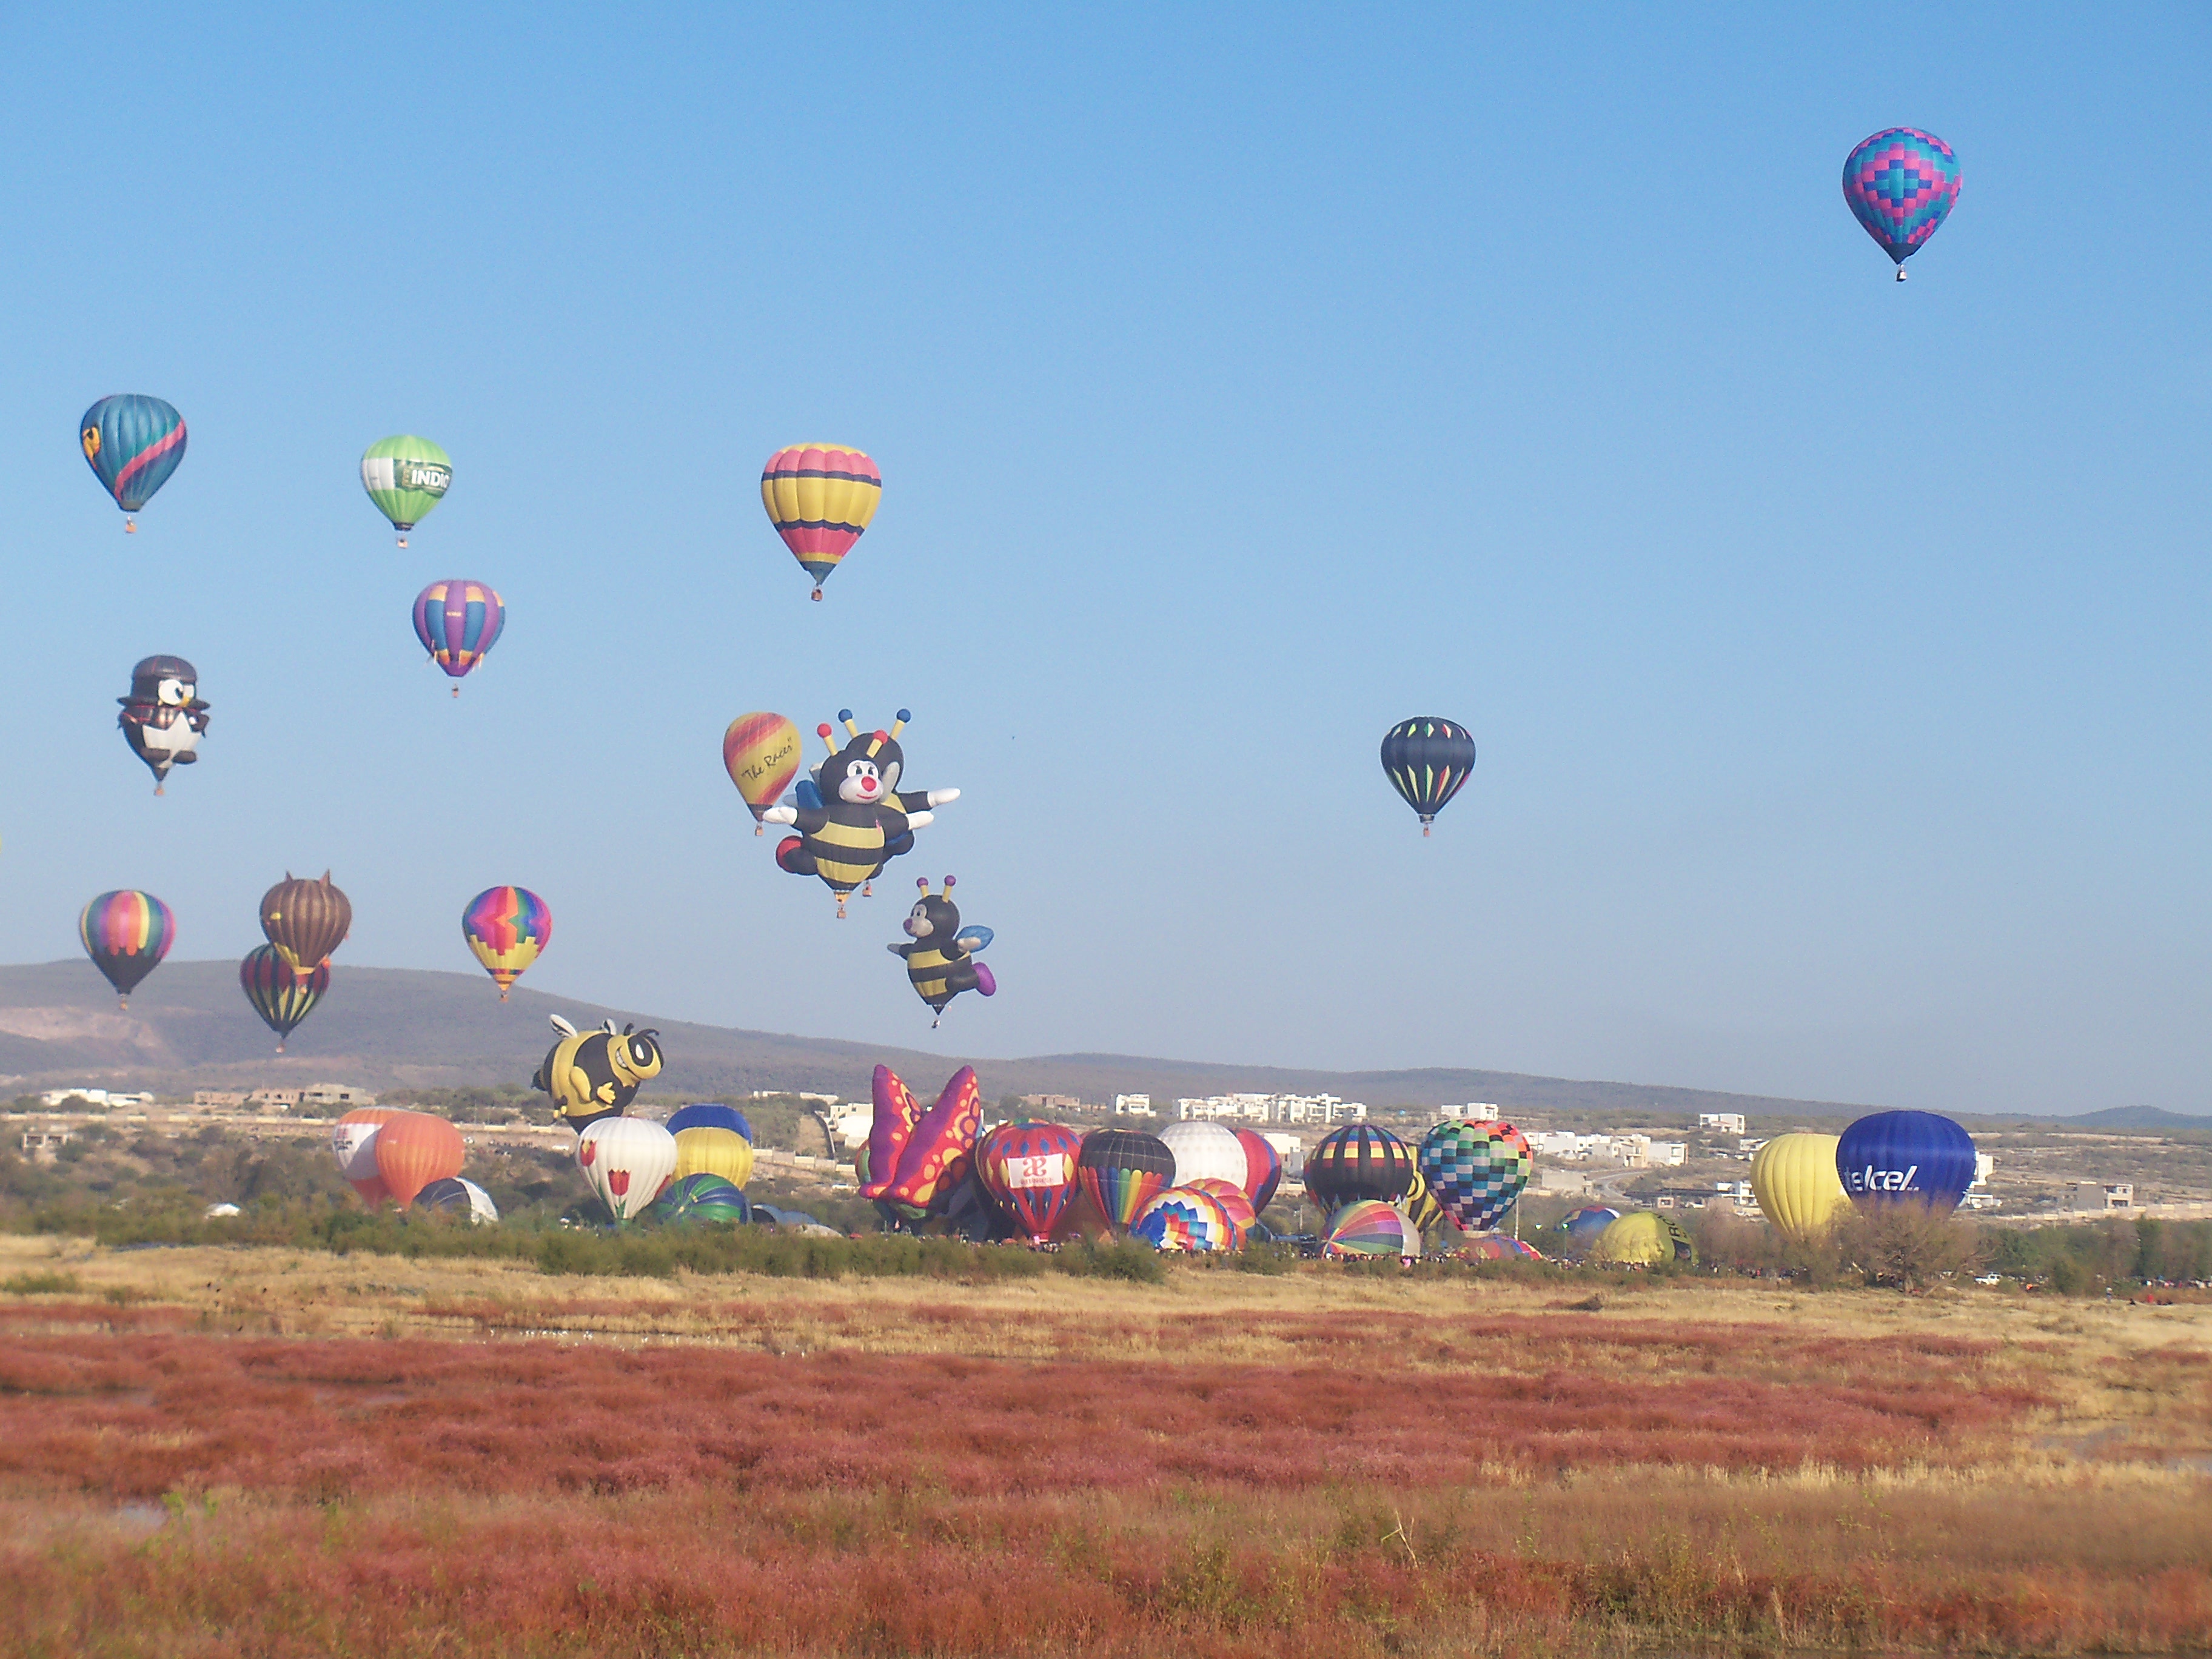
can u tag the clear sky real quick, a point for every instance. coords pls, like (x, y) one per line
(1244, 380)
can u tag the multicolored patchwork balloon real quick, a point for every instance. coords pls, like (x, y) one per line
(1901, 184)
(1369, 1227)
(1358, 1162)
(132, 443)
(1122, 1170)
(703, 1198)
(506, 927)
(820, 497)
(280, 993)
(1234, 1203)
(126, 934)
(1182, 1220)
(1476, 1171)
(1029, 1169)
(458, 621)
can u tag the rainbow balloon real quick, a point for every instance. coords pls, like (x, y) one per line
(506, 927)
(126, 934)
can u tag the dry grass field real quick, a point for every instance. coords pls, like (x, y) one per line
(239, 1452)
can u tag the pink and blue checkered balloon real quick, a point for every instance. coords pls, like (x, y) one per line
(1900, 184)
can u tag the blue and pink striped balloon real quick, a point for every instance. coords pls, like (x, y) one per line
(132, 444)
(458, 621)
(1900, 184)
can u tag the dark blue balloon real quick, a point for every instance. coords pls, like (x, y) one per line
(132, 443)
(713, 1114)
(1906, 1157)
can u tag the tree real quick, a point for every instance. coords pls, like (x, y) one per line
(1908, 1245)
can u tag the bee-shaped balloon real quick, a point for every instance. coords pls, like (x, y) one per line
(941, 962)
(163, 717)
(596, 1074)
(852, 819)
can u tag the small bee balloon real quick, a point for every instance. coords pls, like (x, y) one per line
(164, 716)
(941, 962)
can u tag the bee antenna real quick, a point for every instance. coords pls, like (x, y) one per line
(899, 725)
(846, 715)
(822, 732)
(948, 884)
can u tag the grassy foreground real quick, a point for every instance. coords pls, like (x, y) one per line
(273, 1452)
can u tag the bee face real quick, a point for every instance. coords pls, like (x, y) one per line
(635, 1056)
(174, 692)
(917, 921)
(863, 783)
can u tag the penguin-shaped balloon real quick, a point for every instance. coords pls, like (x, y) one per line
(163, 717)
(941, 962)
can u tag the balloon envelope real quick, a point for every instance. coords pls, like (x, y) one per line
(1181, 1220)
(761, 753)
(451, 1195)
(1794, 1178)
(1263, 1168)
(414, 1149)
(1202, 1149)
(1233, 1202)
(1029, 1169)
(1427, 761)
(506, 927)
(710, 1149)
(132, 443)
(458, 621)
(709, 1114)
(1905, 1157)
(352, 1143)
(305, 920)
(126, 934)
(820, 497)
(1643, 1239)
(1901, 185)
(1358, 1162)
(1121, 1170)
(406, 476)
(281, 995)
(627, 1161)
(1477, 1170)
(1497, 1247)
(1369, 1227)
(703, 1198)
(1583, 1226)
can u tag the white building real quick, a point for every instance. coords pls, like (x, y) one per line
(334, 1094)
(1132, 1106)
(1476, 1111)
(1272, 1108)
(108, 1098)
(2099, 1195)
(1721, 1123)
(1632, 1151)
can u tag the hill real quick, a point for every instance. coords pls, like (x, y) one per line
(386, 1027)
(2155, 1118)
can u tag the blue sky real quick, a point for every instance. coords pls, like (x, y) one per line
(1243, 380)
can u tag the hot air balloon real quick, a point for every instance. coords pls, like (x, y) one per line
(712, 1148)
(1369, 1227)
(405, 476)
(164, 717)
(1643, 1239)
(1496, 1247)
(709, 1114)
(453, 1196)
(1120, 1171)
(1794, 1178)
(703, 1198)
(1905, 1157)
(1421, 1205)
(1358, 1162)
(1235, 1204)
(596, 1074)
(627, 1161)
(1029, 1169)
(820, 498)
(1202, 1149)
(414, 1149)
(126, 934)
(1427, 760)
(1181, 1220)
(280, 994)
(1582, 1227)
(918, 1157)
(458, 621)
(506, 927)
(1477, 1170)
(761, 753)
(1901, 184)
(1263, 1168)
(305, 920)
(352, 1143)
(132, 443)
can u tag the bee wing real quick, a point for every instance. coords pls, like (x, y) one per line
(563, 1027)
(974, 938)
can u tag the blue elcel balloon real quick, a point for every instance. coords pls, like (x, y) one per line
(132, 443)
(1905, 1157)
(713, 1114)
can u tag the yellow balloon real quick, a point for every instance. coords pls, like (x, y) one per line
(1794, 1178)
(710, 1150)
(1643, 1239)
